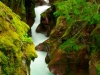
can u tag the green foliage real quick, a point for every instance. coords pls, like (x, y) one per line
(3, 58)
(95, 42)
(27, 39)
(74, 11)
(98, 68)
(78, 10)
(70, 45)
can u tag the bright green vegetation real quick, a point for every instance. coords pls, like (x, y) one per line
(15, 45)
(78, 10)
(78, 13)
(83, 27)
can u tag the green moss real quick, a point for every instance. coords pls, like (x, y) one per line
(98, 68)
(14, 43)
(29, 50)
(3, 58)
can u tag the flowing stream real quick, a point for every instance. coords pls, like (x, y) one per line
(39, 67)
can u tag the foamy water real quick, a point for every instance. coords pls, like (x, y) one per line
(39, 67)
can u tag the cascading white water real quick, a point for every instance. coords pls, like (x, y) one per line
(39, 67)
(38, 37)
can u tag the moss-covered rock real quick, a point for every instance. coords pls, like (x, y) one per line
(16, 48)
(24, 8)
(18, 6)
(74, 48)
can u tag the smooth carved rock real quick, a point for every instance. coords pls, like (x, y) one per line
(30, 14)
(47, 22)
(43, 47)
(72, 63)
(44, 26)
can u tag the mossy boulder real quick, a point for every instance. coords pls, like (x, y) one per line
(16, 48)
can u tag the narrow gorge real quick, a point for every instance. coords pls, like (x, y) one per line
(38, 66)
(65, 40)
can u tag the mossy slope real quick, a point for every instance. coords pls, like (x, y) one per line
(15, 45)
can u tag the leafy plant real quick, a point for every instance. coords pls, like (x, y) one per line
(78, 10)
(71, 45)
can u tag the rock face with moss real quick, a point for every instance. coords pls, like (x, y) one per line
(73, 46)
(24, 8)
(16, 48)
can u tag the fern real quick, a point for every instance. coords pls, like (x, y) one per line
(78, 10)
(70, 45)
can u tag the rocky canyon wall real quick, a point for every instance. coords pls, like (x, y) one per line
(73, 48)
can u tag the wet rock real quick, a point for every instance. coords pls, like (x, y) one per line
(40, 2)
(47, 22)
(73, 63)
(44, 26)
(43, 47)
(30, 13)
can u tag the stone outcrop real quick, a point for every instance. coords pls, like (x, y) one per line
(16, 48)
(48, 21)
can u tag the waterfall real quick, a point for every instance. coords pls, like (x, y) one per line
(38, 37)
(39, 67)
